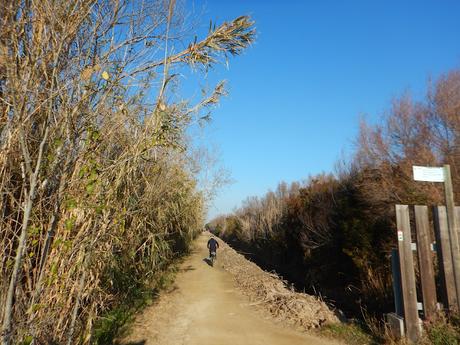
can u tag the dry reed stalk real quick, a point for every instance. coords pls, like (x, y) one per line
(94, 167)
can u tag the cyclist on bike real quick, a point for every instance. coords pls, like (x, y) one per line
(213, 245)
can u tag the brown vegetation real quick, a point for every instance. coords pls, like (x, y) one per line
(273, 293)
(97, 186)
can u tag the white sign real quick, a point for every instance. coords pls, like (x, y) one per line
(428, 174)
(400, 236)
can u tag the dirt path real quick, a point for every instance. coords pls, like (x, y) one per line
(205, 308)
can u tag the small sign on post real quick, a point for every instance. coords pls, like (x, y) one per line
(442, 174)
(429, 174)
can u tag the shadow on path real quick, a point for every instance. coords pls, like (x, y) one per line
(188, 268)
(208, 261)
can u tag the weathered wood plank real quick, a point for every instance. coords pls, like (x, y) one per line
(453, 229)
(406, 262)
(457, 214)
(449, 293)
(396, 274)
(425, 259)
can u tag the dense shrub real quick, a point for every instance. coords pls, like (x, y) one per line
(98, 187)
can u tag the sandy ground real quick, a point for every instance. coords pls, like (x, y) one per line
(204, 308)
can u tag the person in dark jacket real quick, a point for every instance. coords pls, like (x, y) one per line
(213, 245)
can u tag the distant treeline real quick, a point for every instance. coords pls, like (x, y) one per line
(332, 234)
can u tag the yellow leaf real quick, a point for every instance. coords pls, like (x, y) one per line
(86, 73)
(105, 75)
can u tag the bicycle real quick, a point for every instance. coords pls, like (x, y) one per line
(212, 258)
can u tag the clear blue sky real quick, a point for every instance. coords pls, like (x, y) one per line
(296, 96)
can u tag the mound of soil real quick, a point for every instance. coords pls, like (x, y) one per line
(273, 293)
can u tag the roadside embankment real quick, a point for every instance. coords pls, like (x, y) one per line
(273, 293)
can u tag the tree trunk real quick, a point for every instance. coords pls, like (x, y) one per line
(22, 245)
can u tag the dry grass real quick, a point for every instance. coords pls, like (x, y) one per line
(272, 292)
(98, 191)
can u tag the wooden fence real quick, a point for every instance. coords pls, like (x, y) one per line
(438, 257)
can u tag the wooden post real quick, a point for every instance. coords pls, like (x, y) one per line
(406, 262)
(445, 258)
(425, 259)
(457, 214)
(396, 274)
(453, 229)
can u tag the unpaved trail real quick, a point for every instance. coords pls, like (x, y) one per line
(206, 308)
